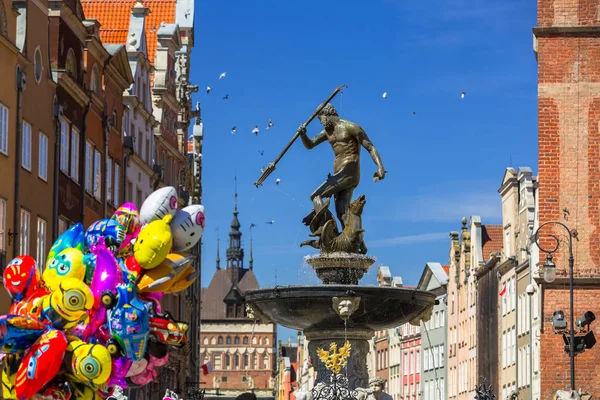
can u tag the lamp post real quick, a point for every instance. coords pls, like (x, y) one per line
(549, 273)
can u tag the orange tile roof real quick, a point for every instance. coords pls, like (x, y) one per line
(491, 238)
(446, 269)
(114, 16)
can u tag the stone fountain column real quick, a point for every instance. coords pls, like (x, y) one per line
(356, 369)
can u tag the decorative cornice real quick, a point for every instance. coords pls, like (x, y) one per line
(71, 87)
(546, 31)
(9, 45)
(116, 77)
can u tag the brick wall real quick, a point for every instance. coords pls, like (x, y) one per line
(569, 174)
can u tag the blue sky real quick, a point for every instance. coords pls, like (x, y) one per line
(446, 161)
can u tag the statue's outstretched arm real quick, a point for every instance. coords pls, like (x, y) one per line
(310, 143)
(370, 147)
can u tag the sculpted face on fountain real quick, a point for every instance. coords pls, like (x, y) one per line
(345, 306)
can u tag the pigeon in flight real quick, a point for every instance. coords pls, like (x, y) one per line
(277, 181)
(271, 222)
(223, 75)
(255, 130)
(226, 97)
(261, 152)
(208, 89)
(270, 124)
(414, 113)
(233, 130)
(252, 226)
(463, 94)
(384, 95)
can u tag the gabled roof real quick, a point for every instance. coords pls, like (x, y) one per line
(114, 15)
(213, 306)
(434, 271)
(491, 240)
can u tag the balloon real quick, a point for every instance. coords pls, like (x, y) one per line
(185, 274)
(18, 333)
(89, 363)
(9, 375)
(67, 306)
(157, 279)
(111, 231)
(40, 364)
(136, 367)
(128, 323)
(21, 277)
(66, 264)
(187, 227)
(107, 274)
(153, 243)
(149, 373)
(166, 330)
(30, 307)
(72, 238)
(160, 203)
(127, 215)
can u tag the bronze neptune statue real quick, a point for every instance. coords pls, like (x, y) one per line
(346, 139)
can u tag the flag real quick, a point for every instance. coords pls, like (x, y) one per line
(207, 368)
(503, 291)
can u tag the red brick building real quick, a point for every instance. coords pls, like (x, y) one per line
(567, 45)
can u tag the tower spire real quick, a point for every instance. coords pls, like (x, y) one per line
(235, 252)
(218, 254)
(251, 259)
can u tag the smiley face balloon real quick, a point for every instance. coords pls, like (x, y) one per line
(21, 277)
(67, 264)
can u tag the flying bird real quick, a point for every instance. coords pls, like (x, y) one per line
(226, 97)
(463, 94)
(271, 222)
(252, 226)
(384, 95)
(262, 170)
(262, 152)
(223, 75)
(277, 181)
(270, 124)
(414, 113)
(233, 130)
(208, 89)
(255, 130)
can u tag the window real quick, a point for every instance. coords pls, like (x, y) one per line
(436, 320)
(426, 391)
(26, 146)
(94, 81)
(109, 164)
(24, 234)
(147, 159)
(220, 339)
(267, 340)
(228, 341)
(63, 225)
(245, 340)
(75, 155)
(97, 175)
(236, 340)
(514, 346)
(503, 349)
(64, 146)
(2, 223)
(442, 318)
(116, 192)
(266, 362)
(115, 119)
(217, 361)
(205, 341)
(43, 157)
(41, 243)
(405, 364)
(139, 197)
(38, 65)
(237, 361)
(514, 293)
(89, 163)
(442, 394)
(224, 379)
(71, 64)
(3, 129)
(442, 357)
(246, 360)
(227, 361)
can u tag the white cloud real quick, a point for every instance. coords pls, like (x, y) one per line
(409, 239)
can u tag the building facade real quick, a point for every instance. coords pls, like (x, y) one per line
(241, 351)
(466, 256)
(566, 42)
(434, 340)
(32, 229)
(9, 54)
(287, 370)
(410, 345)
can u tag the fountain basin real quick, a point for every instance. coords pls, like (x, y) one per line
(310, 307)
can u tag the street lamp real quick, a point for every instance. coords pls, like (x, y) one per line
(549, 273)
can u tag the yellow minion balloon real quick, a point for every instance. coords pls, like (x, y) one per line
(67, 264)
(153, 243)
(67, 305)
(88, 362)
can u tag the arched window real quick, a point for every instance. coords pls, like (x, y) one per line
(237, 361)
(245, 340)
(115, 118)
(125, 123)
(236, 340)
(220, 339)
(71, 64)
(266, 340)
(254, 340)
(213, 340)
(228, 340)
(246, 360)
(95, 80)
(266, 362)
(205, 341)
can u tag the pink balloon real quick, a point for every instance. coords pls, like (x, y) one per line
(107, 274)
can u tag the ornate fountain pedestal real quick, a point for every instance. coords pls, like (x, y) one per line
(356, 367)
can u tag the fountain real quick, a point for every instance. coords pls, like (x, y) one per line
(339, 315)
